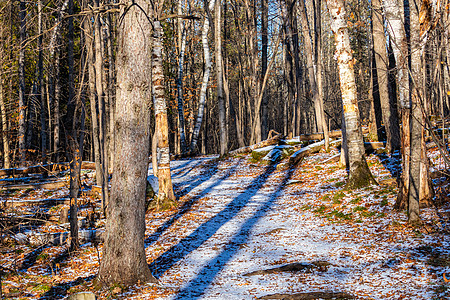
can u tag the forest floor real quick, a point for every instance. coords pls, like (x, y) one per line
(244, 230)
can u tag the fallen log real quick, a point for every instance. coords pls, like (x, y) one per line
(47, 202)
(48, 168)
(298, 156)
(40, 185)
(57, 238)
(320, 136)
(269, 142)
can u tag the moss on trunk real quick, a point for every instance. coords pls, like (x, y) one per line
(360, 177)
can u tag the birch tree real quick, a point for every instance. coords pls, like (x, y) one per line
(206, 73)
(359, 173)
(165, 193)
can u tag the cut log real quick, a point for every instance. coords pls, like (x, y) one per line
(48, 168)
(272, 141)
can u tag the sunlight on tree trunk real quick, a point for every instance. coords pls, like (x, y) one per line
(359, 173)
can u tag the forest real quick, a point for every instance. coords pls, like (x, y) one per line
(234, 149)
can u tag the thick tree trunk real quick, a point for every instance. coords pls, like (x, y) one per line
(124, 260)
(206, 73)
(219, 71)
(359, 173)
(165, 195)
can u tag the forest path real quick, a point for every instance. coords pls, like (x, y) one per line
(237, 217)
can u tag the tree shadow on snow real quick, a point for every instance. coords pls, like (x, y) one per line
(60, 291)
(196, 287)
(201, 178)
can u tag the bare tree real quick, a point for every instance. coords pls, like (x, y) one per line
(359, 173)
(124, 258)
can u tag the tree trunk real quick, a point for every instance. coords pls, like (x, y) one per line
(73, 151)
(182, 49)
(22, 107)
(396, 30)
(418, 107)
(124, 260)
(56, 102)
(359, 173)
(101, 107)
(380, 81)
(311, 66)
(41, 86)
(165, 195)
(219, 71)
(4, 120)
(111, 90)
(264, 46)
(318, 34)
(94, 111)
(206, 73)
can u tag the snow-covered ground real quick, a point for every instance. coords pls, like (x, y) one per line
(236, 217)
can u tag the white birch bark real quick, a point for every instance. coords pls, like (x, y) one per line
(164, 177)
(207, 72)
(359, 173)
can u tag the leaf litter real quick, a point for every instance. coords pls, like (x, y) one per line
(237, 218)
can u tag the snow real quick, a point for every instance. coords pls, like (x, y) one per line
(236, 217)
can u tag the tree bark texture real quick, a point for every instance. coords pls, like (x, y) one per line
(181, 54)
(397, 33)
(389, 114)
(219, 71)
(359, 173)
(99, 79)
(124, 260)
(22, 101)
(164, 177)
(206, 73)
